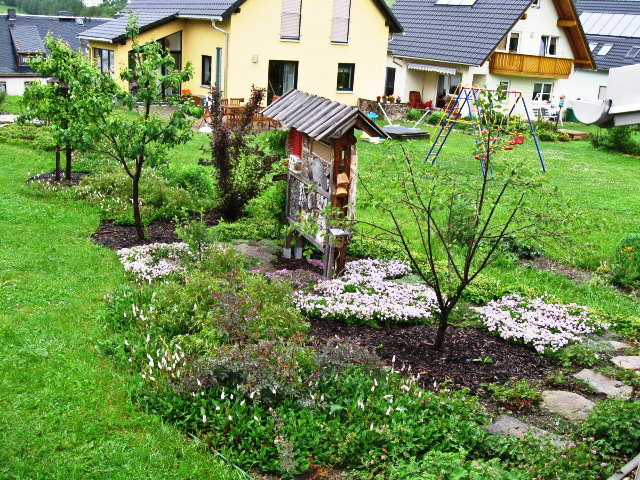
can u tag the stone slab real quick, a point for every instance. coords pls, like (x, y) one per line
(603, 384)
(630, 362)
(567, 404)
(505, 425)
(618, 345)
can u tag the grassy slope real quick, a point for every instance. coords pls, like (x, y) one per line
(11, 105)
(64, 412)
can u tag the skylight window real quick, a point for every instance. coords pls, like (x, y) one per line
(605, 49)
(593, 46)
(455, 2)
(633, 53)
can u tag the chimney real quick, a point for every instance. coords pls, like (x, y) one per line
(11, 14)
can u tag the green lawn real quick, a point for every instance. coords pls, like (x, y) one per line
(4, 8)
(11, 105)
(64, 410)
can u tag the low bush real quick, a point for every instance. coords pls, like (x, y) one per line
(519, 396)
(563, 137)
(413, 115)
(545, 136)
(615, 422)
(580, 355)
(618, 139)
(193, 178)
(434, 118)
(248, 229)
(625, 265)
(110, 190)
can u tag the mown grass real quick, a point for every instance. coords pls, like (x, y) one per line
(64, 410)
(12, 104)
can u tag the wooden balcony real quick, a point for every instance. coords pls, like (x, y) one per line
(529, 65)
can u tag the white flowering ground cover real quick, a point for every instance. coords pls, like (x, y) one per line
(156, 260)
(544, 326)
(367, 295)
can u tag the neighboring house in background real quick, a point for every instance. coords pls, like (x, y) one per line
(613, 31)
(333, 49)
(527, 45)
(22, 37)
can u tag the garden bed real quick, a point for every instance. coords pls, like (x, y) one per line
(50, 178)
(463, 360)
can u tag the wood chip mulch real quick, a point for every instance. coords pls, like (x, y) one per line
(459, 361)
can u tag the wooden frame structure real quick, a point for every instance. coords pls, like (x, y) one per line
(323, 166)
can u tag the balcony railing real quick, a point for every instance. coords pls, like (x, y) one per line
(530, 65)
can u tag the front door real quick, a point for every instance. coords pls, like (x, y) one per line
(390, 83)
(283, 76)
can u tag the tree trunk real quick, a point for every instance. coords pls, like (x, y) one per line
(136, 206)
(442, 330)
(67, 172)
(57, 164)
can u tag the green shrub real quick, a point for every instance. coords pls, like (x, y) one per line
(545, 136)
(616, 422)
(413, 115)
(193, 178)
(434, 118)
(625, 266)
(110, 190)
(484, 289)
(563, 137)
(366, 246)
(580, 355)
(619, 139)
(520, 395)
(270, 204)
(247, 228)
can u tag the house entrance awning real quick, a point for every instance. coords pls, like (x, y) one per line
(432, 68)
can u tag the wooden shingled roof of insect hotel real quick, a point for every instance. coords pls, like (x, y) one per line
(323, 166)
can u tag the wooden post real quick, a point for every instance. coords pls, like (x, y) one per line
(286, 251)
(297, 252)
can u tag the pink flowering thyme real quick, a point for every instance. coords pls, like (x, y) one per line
(537, 323)
(153, 261)
(365, 294)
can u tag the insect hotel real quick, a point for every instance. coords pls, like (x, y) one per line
(321, 179)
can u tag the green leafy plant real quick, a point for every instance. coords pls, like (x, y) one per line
(413, 115)
(584, 354)
(625, 266)
(520, 395)
(615, 421)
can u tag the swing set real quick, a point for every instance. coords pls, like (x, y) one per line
(464, 99)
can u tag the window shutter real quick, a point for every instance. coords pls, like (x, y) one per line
(290, 28)
(295, 139)
(340, 22)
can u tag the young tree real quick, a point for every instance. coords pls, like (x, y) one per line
(56, 102)
(451, 227)
(140, 138)
(240, 167)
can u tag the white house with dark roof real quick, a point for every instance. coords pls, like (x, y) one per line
(22, 38)
(528, 45)
(613, 32)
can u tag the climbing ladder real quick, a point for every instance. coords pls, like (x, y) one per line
(465, 98)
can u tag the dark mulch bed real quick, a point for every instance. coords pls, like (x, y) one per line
(50, 178)
(281, 263)
(116, 237)
(410, 344)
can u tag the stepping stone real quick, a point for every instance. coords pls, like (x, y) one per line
(630, 362)
(567, 404)
(505, 425)
(618, 345)
(603, 384)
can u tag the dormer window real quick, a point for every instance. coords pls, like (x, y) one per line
(291, 17)
(340, 21)
(24, 59)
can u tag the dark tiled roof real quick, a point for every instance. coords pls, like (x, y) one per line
(453, 33)
(319, 117)
(116, 30)
(608, 6)
(616, 57)
(26, 39)
(155, 12)
(66, 30)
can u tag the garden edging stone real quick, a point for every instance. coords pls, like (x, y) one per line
(603, 384)
(567, 404)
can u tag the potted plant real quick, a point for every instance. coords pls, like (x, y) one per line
(384, 99)
(392, 99)
(398, 99)
(378, 99)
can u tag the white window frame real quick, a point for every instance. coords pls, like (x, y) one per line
(547, 45)
(542, 84)
(3, 87)
(508, 41)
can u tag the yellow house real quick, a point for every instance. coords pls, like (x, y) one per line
(336, 49)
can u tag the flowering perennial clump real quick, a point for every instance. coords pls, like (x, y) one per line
(365, 294)
(544, 326)
(153, 261)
